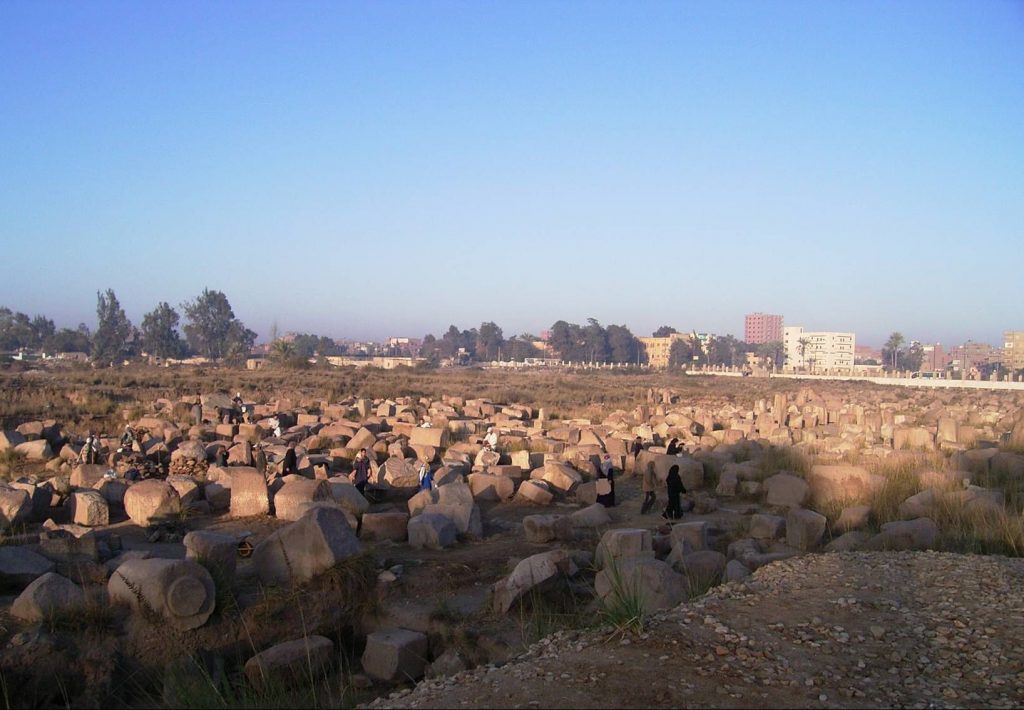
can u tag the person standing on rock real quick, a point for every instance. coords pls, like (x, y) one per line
(361, 470)
(648, 484)
(426, 477)
(261, 459)
(635, 449)
(674, 509)
(197, 412)
(90, 449)
(290, 463)
(605, 483)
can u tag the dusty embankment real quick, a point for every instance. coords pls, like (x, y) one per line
(909, 629)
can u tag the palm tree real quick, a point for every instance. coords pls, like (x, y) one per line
(803, 343)
(282, 350)
(893, 345)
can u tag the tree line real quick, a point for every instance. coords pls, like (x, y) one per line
(210, 330)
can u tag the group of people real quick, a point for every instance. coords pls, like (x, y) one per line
(649, 482)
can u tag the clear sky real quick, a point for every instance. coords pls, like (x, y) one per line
(387, 168)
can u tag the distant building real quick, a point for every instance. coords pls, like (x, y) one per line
(656, 351)
(1013, 349)
(818, 351)
(973, 357)
(935, 358)
(762, 328)
(863, 353)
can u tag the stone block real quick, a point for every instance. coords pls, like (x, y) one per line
(249, 494)
(180, 592)
(395, 654)
(20, 566)
(767, 527)
(432, 531)
(853, 517)
(655, 583)
(291, 662)
(535, 492)
(15, 506)
(294, 498)
(88, 508)
(534, 572)
(392, 525)
(919, 534)
(213, 550)
(296, 553)
(488, 487)
(593, 516)
(690, 536)
(623, 543)
(547, 528)
(151, 501)
(87, 475)
(804, 528)
(786, 490)
(46, 595)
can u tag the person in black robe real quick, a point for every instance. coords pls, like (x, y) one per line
(674, 509)
(290, 462)
(673, 447)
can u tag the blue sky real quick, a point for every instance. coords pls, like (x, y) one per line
(372, 169)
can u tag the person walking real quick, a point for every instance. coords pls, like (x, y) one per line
(648, 484)
(674, 509)
(360, 470)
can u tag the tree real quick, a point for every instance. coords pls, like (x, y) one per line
(912, 358)
(680, 354)
(664, 331)
(520, 347)
(773, 351)
(595, 342)
(892, 350)
(802, 346)
(67, 340)
(113, 330)
(17, 330)
(623, 345)
(212, 329)
(563, 339)
(160, 332)
(282, 350)
(488, 341)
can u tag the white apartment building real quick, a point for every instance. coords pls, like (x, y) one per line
(817, 351)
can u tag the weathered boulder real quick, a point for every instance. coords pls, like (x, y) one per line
(395, 655)
(455, 500)
(112, 490)
(293, 499)
(919, 534)
(690, 537)
(347, 495)
(432, 531)
(649, 582)
(804, 528)
(848, 542)
(767, 527)
(786, 490)
(701, 569)
(593, 516)
(213, 550)
(38, 450)
(623, 543)
(390, 525)
(547, 528)
(47, 594)
(151, 501)
(735, 571)
(691, 471)
(15, 506)
(920, 504)
(977, 500)
(535, 492)
(19, 566)
(10, 440)
(87, 475)
(187, 488)
(531, 573)
(431, 436)
(181, 592)
(248, 492)
(727, 482)
(843, 483)
(853, 517)
(401, 473)
(296, 553)
(300, 661)
(489, 487)
(88, 508)
(560, 476)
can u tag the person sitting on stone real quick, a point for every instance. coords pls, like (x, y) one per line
(605, 483)
(220, 457)
(491, 440)
(290, 463)
(673, 447)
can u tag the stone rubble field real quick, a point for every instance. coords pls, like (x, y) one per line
(881, 619)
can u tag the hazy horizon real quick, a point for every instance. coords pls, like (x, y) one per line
(372, 169)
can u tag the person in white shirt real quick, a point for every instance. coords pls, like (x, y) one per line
(491, 440)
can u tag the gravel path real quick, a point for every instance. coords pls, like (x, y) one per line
(920, 629)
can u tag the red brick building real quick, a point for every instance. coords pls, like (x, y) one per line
(762, 328)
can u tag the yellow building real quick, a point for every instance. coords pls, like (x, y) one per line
(656, 351)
